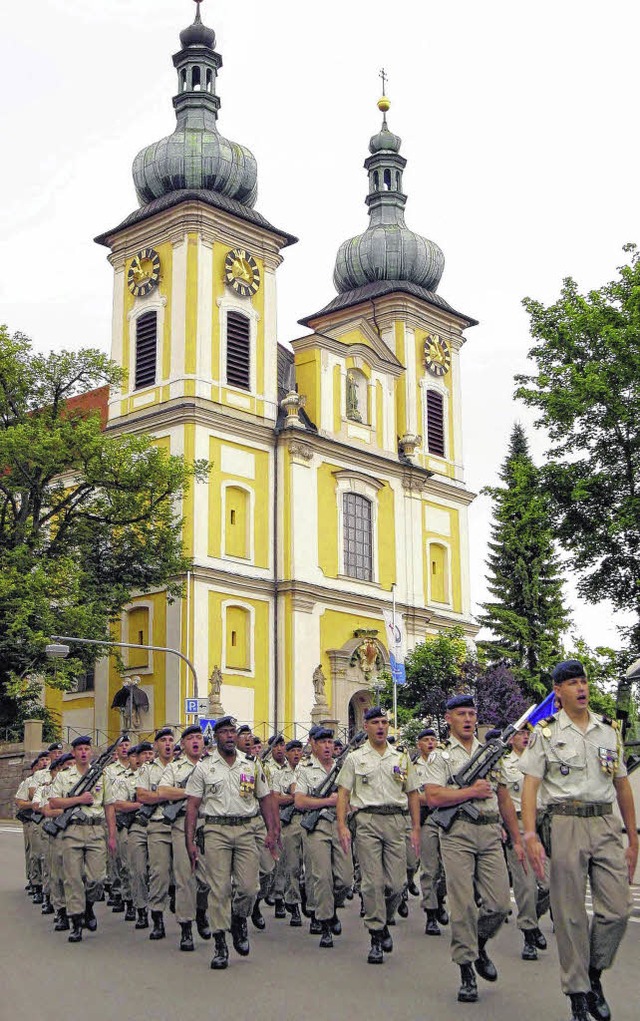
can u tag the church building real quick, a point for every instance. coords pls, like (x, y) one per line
(336, 481)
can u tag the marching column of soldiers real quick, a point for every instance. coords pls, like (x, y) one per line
(211, 833)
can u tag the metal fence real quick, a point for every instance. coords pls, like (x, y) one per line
(12, 735)
(263, 729)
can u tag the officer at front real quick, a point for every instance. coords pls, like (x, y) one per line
(575, 759)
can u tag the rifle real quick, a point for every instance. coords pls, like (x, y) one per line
(174, 809)
(84, 784)
(477, 768)
(24, 815)
(311, 817)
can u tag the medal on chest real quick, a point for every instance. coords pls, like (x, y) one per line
(399, 774)
(564, 769)
(608, 758)
(247, 785)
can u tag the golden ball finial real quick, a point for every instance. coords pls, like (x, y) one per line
(384, 103)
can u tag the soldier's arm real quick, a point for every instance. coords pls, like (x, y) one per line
(624, 794)
(534, 849)
(508, 813)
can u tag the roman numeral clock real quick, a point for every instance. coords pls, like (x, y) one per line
(241, 272)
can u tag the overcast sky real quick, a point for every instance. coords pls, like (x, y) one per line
(519, 123)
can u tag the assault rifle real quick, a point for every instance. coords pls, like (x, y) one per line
(311, 818)
(174, 809)
(24, 814)
(84, 784)
(477, 768)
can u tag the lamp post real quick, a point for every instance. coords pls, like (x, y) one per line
(60, 651)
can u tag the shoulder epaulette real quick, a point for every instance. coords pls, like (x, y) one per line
(545, 723)
(610, 722)
(250, 757)
(444, 744)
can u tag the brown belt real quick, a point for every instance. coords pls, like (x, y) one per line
(582, 809)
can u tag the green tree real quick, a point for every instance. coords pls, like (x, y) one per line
(87, 517)
(527, 614)
(437, 669)
(587, 391)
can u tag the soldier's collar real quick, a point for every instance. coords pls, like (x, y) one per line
(565, 721)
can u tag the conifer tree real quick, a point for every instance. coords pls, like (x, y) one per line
(526, 615)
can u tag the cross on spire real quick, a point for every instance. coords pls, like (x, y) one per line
(198, 10)
(385, 79)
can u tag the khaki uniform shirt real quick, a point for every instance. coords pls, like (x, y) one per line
(281, 780)
(124, 786)
(23, 790)
(513, 778)
(271, 770)
(40, 777)
(113, 771)
(311, 774)
(149, 776)
(176, 772)
(444, 763)
(42, 794)
(68, 778)
(228, 790)
(575, 765)
(374, 779)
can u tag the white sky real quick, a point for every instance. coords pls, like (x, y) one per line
(519, 123)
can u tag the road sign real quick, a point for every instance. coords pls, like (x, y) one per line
(196, 706)
(206, 726)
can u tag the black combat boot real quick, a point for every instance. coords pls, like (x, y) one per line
(303, 901)
(239, 935)
(411, 884)
(529, 951)
(142, 921)
(468, 991)
(111, 899)
(202, 924)
(596, 1003)
(442, 914)
(130, 912)
(220, 959)
(386, 940)
(47, 907)
(256, 915)
(37, 895)
(280, 911)
(295, 921)
(186, 939)
(484, 965)
(172, 899)
(158, 926)
(432, 928)
(75, 936)
(90, 920)
(315, 927)
(61, 922)
(362, 911)
(376, 955)
(403, 906)
(579, 1009)
(336, 925)
(326, 940)
(539, 939)
(118, 905)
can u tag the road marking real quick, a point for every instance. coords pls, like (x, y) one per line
(10, 829)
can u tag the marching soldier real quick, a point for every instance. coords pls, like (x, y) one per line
(432, 881)
(137, 849)
(380, 783)
(115, 865)
(229, 790)
(330, 869)
(471, 849)
(575, 760)
(274, 763)
(158, 833)
(191, 887)
(54, 845)
(32, 841)
(84, 849)
(124, 810)
(291, 860)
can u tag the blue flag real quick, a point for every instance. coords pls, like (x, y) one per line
(546, 708)
(397, 670)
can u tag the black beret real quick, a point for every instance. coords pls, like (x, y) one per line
(226, 721)
(194, 728)
(314, 730)
(163, 732)
(322, 733)
(144, 746)
(61, 761)
(244, 729)
(426, 732)
(57, 746)
(82, 739)
(133, 749)
(566, 670)
(391, 739)
(338, 742)
(275, 739)
(290, 745)
(125, 737)
(494, 732)
(39, 758)
(461, 702)
(375, 713)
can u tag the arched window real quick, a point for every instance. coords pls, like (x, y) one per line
(435, 424)
(238, 369)
(237, 522)
(376, 181)
(146, 350)
(209, 80)
(358, 536)
(387, 180)
(438, 573)
(238, 638)
(138, 634)
(195, 79)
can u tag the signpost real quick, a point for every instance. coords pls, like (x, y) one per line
(196, 706)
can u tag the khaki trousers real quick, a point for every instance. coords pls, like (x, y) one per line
(188, 883)
(122, 864)
(525, 889)
(381, 845)
(84, 859)
(26, 834)
(431, 875)
(56, 882)
(292, 859)
(330, 869)
(138, 861)
(35, 853)
(160, 865)
(267, 862)
(474, 863)
(232, 863)
(581, 849)
(46, 860)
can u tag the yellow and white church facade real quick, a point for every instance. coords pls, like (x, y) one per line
(336, 474)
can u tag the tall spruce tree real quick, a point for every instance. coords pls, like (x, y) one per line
(527, 614)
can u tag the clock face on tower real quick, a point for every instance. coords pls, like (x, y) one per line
(144, 272)
(241, 272)
(437, 355)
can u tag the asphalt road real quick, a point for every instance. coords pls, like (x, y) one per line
(117, 972)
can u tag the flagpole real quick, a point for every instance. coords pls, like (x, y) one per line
(395, 640)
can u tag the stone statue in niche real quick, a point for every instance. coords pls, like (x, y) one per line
(319, 681)
(215, 684)
(353, 410)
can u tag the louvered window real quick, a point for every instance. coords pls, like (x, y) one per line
(358, 537)
(435, 423)
(238, 350)
(146, 338)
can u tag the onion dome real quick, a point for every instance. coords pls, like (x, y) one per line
(196, 155)
(387, 250)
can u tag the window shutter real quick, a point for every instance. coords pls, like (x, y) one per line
(435, 423)
(238, 350)
(358, 544)
(146, 336)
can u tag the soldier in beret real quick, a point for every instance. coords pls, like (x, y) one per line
(158, 833)
(53, 873)
(133, 835)
(575, 760)
(115, 865)
(282, 786)
(432, 879)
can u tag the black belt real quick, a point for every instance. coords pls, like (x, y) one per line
(230, 820)
(582, 809)
(490, 819)
(86, 821)
(383, 810)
